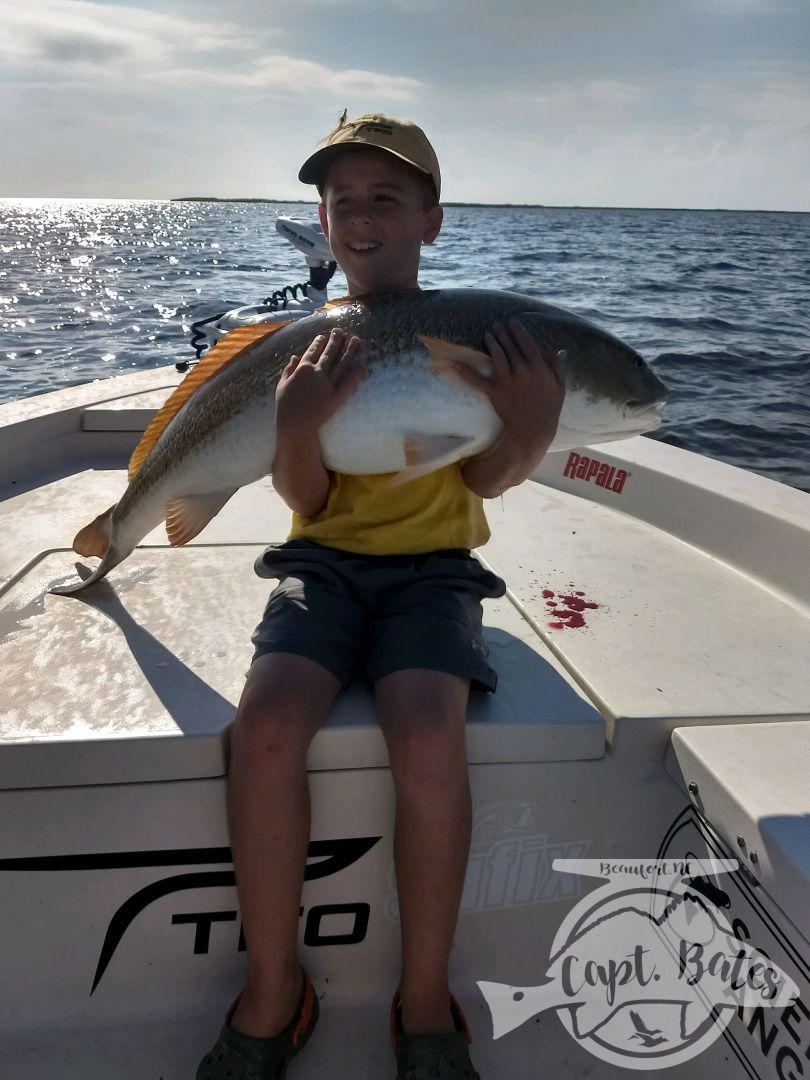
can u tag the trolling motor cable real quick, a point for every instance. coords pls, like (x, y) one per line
(309, 238)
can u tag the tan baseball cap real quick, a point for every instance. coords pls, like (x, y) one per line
(399, 137)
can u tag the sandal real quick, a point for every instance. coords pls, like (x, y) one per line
(438, 1056)
(243, 1057)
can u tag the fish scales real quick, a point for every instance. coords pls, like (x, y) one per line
(223, 436)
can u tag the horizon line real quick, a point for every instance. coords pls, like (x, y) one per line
(449, 202)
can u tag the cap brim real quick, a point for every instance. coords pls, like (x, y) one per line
(314, 168)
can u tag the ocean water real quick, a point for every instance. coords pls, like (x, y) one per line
(718, 302)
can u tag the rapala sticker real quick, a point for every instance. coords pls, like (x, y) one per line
(580, 467)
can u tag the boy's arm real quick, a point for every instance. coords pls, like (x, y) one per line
(299, 475)
(311, 389)
(527, 393)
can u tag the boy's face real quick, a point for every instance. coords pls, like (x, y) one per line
(377, 214)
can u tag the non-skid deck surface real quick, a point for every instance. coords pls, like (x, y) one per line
(649, 628)
(669, 631)
(137, 678)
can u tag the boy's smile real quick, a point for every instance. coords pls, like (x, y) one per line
(377, 213)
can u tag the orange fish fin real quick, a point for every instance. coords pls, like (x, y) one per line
(94, 539)
(426, 453)
(444, 355)
(223, 353)
(187, 515)
(339, 301)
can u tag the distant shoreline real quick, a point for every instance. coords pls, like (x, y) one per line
(506, 206)
(472, 205)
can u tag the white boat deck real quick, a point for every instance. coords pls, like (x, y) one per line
(682, 621)
(681, 602)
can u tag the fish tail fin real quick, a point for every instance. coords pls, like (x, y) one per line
(510, 1006)
(111, 559)
(94, 539)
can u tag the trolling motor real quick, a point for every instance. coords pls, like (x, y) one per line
(309, 238)
(292, 301)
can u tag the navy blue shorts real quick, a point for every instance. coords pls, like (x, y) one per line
(377, 613)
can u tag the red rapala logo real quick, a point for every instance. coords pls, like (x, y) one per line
(607, 476)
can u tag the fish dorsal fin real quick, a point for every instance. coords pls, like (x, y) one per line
(444, 355)
(339, 301)
(229, 348)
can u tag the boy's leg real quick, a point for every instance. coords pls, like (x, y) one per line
(423, 715)
(285, 701)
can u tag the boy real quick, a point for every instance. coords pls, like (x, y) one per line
(405, 552)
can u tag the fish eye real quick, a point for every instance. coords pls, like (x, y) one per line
(640, 363)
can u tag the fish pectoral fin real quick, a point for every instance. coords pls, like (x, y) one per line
(444, 355)
(427, 453)
(426, 450)
(188, 515)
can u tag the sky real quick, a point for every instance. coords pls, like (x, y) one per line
(648, 103)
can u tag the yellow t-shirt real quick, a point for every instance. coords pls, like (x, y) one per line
(365, 516)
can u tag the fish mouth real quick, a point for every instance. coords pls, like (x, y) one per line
(636, 421)
(647, 420)
(642, 429)
(644, 412)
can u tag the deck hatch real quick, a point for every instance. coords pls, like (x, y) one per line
(137, 679)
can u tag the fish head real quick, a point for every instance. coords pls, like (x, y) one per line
(610, 390)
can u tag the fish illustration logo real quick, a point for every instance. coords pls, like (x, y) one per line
(645, 971)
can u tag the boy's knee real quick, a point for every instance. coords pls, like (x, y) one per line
(277, 725)
(423, 716)
(280, 711)
(428, 752)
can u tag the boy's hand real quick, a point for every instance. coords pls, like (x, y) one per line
(312, 387)
(526, 390)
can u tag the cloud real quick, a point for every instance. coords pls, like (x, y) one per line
(581, 99)
(774, 98)
(746, 7)
(69, 40)
(64, 34)
(703, 102)
(278, 73)
(726, 134)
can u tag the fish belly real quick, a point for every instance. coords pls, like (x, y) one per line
(368, 434)
(236, 453)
